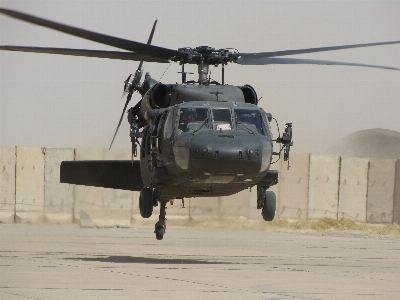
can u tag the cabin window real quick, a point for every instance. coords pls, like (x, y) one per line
(222, 119)
(193, 119)
(248, 119)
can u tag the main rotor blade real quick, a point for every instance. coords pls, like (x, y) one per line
(87, 53)
(148, 43)
(245, 56)
(159, 52)
(303, 61)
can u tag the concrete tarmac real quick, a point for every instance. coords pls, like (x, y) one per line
(48, 262)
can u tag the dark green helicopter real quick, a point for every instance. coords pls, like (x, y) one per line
(198, 138)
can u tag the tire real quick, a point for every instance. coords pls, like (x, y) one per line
(268, 211)
(146, 203)
(160, 230)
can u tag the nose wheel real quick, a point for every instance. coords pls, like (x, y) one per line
(160, 225)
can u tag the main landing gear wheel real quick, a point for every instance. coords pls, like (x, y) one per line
(160, 225)
(269, 207)
(146, 203)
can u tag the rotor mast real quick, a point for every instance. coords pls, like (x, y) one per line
(203, 70)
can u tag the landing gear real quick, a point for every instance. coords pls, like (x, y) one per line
(160, 225)
(269, 207)
(146, 203)
(266, 201)
(160, 230)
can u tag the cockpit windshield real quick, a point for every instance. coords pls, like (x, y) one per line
(192, 119)
(249, 119)
(222, 119)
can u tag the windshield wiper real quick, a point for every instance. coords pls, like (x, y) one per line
(202, 124)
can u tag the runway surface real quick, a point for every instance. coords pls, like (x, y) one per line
(49, 262)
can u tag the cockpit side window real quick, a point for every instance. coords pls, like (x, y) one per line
(251, 119)
(222, 119)
(267, 125)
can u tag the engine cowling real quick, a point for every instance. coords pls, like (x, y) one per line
(249, 93)
(158, 96)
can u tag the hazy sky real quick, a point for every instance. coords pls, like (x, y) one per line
(61, 101)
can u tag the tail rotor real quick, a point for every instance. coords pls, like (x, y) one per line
(132, 84)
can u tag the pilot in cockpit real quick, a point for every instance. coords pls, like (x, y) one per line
(188, 116)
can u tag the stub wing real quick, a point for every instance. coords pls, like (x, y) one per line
(113, 174)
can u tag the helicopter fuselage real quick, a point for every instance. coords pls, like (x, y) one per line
(226, 147)
(201, 139)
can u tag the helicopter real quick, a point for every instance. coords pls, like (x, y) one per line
(198, 138)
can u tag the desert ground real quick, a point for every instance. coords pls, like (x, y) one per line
(46, 262)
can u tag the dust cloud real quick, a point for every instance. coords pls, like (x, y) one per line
(370, 143)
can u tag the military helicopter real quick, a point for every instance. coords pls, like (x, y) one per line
(197, 138)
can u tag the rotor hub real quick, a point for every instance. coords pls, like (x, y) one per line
(207, 55)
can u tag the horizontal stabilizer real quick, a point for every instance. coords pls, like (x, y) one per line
(113, 174)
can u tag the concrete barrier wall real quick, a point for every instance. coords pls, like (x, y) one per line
(58, 197)
(353, 188)
(293, 187)
(381, 183)
(29, 184)
(7, 184)
(315, 186)
(323, 193)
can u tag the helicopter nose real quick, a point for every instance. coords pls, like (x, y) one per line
(226, 155)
